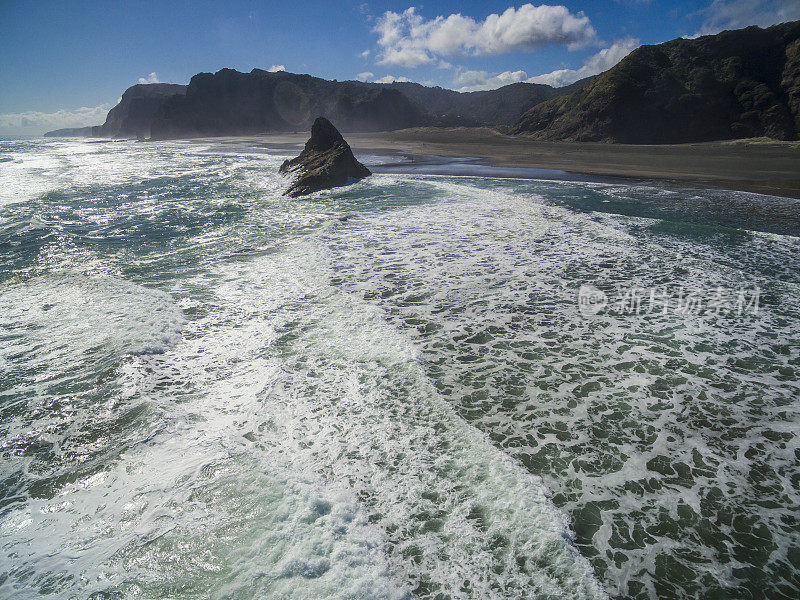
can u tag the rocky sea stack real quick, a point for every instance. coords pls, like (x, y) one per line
(326, 162)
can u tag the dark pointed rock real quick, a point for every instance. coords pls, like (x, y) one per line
(326, 162)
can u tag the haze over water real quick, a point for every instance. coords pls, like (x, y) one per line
(389, 390)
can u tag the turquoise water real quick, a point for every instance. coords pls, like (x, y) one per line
(387, 391)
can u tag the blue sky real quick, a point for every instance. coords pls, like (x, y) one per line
(66, 63)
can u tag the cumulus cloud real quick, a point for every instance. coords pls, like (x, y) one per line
(409, 40)
(152, 78)
(595, 64)
(276, 68)
(471, 81)
(735, 14)
(36, 123)
(391, 79)
(365, 53)
(365, 76)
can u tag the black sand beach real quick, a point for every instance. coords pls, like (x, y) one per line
(757, 165)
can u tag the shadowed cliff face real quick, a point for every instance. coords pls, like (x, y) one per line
(138, 106)
(233, 103)
(736, 84)
(501, 107)
(326, 162)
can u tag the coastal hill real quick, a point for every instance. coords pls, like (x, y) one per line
(737, 84)
(229, 102)
(496, 108)
(137, 108)
(232, 103)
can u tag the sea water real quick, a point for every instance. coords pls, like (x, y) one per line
(390, 390)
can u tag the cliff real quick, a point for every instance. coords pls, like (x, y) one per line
(134, 114)
(232, 103)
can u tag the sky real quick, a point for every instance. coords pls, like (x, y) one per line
(65, 64)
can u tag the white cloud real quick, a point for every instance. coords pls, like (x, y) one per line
(471, 81)
(276, 68)
(735, 14)
(595, 64)
(408, 39)
(36, 123)
(391, 79)
(474, 81)
(365, 53)
(365, 11)
(365, 76)
(152, 78)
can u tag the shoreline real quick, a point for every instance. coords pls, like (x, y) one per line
(760, 166)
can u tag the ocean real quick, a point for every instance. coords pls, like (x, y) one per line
(419, 386)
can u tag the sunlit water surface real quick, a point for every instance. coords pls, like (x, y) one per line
(208, 390)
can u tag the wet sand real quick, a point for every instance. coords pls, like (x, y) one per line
(762, 166)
